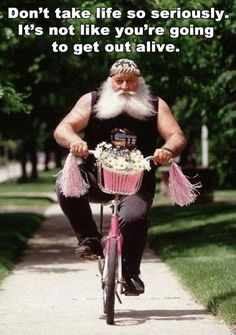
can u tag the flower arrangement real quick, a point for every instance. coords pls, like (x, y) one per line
(120, 159)
(122, 174)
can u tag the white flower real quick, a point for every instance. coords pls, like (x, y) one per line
(120, 159)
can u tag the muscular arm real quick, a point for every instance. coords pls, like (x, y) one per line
(171, 132)
(66, 133)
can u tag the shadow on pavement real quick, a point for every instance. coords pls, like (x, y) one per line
(134, 317)
(52, 248)
(53, 245)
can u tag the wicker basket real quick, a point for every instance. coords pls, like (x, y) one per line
(121, 182)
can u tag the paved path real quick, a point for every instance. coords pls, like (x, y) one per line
(51, 292)
(13, 169)
(9, 171)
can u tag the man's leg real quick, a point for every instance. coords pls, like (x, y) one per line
(134, 211)
(79, 214)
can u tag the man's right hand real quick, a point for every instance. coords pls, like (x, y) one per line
(79, 148)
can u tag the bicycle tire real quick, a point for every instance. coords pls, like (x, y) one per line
(110, 287)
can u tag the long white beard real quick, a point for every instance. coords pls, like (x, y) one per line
(137, 104)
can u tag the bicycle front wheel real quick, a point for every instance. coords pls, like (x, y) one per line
(110, 286)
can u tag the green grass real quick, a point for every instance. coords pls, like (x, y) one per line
(45, 183)
(199, 243)
(15, 229)
(22, 201)
(225, 195)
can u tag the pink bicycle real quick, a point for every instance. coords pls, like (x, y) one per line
(118, 183)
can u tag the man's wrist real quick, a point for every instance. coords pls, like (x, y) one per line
(75, 139)
(168, 149)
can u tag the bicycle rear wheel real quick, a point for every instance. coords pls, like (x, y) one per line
(110, 285)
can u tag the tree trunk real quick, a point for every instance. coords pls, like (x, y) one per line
(58, 158)
(47, 159)
(23, 161)
(33, 159)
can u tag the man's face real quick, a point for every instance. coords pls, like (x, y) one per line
(125, 82)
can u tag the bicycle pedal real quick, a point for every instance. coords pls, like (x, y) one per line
(88, 257)
(131, 294)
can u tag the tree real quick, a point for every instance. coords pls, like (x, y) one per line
(42, 86)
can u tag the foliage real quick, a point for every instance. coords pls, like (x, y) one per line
(15, 229)
(12, 101)
(199, 82)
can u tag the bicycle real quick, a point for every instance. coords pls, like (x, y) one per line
(118, 183)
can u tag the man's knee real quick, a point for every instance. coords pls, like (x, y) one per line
(134, 225)
(135, 210)
(131, 217)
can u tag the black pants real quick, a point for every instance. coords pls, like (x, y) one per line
(133, 218)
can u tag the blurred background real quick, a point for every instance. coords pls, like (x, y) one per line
(38, 87)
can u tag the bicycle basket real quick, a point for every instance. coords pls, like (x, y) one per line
(119, 182)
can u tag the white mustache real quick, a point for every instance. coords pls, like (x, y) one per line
(122, 92)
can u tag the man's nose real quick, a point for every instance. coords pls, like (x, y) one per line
(124, 86)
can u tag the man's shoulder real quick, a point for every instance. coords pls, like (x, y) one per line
(85, 99)
(154, 99)
(159, 103)
(88, 100)
(94, 97)
(86, 96)
(163, 104)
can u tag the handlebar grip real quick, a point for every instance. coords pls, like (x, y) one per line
(149, 158)
(91, 152)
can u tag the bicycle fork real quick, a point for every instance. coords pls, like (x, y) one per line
(114, 234)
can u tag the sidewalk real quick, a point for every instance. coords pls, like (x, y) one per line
(51, 292)
(13, 169)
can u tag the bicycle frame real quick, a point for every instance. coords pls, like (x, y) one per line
(111, 267)
(114, 233)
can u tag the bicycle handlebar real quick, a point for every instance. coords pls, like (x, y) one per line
(148, 158)
(91, 152)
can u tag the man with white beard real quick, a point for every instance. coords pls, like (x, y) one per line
(123, 106)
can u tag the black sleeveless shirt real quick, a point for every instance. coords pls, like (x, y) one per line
(99, 130)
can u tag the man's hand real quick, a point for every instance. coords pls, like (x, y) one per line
(162, 156)
(79, 148)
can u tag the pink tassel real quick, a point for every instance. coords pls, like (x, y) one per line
(182, 191)
(70, 181)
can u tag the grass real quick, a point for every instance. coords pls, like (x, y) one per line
(199, 243)
(15, 229)
(45, 183)
(15, 189)
(225, 195)
(22, 201)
